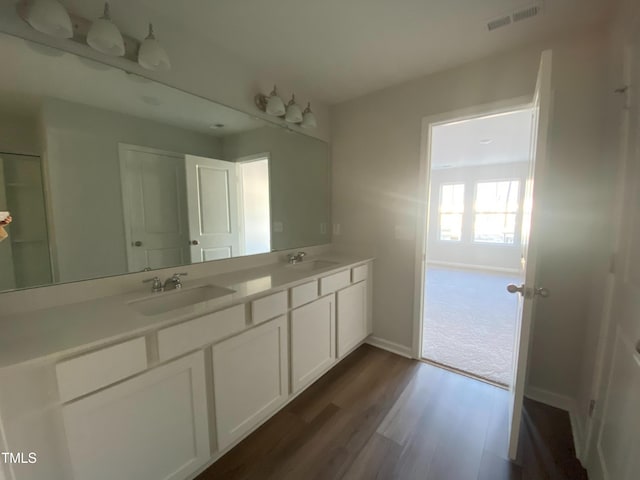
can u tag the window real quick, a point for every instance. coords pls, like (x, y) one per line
(451, 211)
(496, 208)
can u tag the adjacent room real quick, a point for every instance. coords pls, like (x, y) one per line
(319, 240)
(479, 168)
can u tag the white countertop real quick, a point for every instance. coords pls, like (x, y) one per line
(49, 334)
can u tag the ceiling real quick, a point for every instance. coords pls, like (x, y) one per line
(340, 49)
(495, 139)
(45, 72)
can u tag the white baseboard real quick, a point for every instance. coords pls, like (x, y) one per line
(468, 266)
(566, 403)
(392, 347)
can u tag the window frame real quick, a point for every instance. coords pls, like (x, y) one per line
(517, 213)
(461, 213)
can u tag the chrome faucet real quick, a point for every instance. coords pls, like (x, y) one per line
(294, 258)
(174, 282)
(156, 286)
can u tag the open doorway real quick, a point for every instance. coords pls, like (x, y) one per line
(478, 172)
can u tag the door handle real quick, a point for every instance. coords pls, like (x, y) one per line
(541, 292)
(511, 288)
(194, 242)
(137, 243)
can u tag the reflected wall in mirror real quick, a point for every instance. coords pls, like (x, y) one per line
(106, 172)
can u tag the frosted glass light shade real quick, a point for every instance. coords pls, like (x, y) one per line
(49, 17)
(308, 118)
(275, 105)
(151, 54)
(294, 112)
(105, 37)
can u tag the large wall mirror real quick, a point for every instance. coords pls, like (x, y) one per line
(106, 172)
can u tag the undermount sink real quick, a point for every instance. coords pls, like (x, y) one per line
(167, 301)
(312, 265)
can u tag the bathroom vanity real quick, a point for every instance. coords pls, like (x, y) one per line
(108, 389)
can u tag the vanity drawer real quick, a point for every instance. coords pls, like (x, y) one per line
(304, 293)
(335, 282)
(360, 273)
(187, 336)
(81, 375)
(268, 307)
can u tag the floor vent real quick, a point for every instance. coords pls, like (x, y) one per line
(499, 22)
(528, 12)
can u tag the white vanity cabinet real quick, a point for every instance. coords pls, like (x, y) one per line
(151, 427)
(313, 341)
(351, 306)
(251, 379)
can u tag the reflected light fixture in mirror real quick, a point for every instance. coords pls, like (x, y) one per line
(151, 54)
(105, 37)
(308, 118)
(49, 17)
(291, 113)
(294, 112)
(275, 105)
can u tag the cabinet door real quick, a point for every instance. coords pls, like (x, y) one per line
(250, 376)
(313, 340)
(154, 426)
(351, 316)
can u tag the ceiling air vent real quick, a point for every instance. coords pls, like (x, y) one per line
(499, 22)
(525, 13)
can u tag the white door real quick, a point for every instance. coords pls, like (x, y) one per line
(155, 210)
(212, 197)
(152, 427)
(351, 317)
(618, 434)
(529, 290)
(313, 341)
(250, 379)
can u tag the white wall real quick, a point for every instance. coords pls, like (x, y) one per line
(376, 157)
(198, 66)
(466, 252)
(299, 169)
(83, 168)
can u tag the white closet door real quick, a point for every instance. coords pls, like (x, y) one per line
(212, 196)
(155, 210)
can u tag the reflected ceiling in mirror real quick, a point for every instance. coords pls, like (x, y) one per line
(106, 173)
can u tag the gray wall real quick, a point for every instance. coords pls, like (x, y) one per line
(83, 167)
(375, 165)
(299, 181)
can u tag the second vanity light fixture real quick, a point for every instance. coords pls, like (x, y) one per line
(51, 18)
(291, 112)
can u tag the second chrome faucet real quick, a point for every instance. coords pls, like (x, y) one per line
(174, 282)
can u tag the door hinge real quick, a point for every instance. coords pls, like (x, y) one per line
(592, 408)
(612, 263)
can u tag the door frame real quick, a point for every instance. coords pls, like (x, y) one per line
(424, 191)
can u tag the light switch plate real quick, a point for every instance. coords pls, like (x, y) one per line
(323, 228)
(336, 229)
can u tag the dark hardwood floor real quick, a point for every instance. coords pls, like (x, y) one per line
(377, 415)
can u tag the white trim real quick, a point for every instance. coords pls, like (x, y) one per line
(392, 347)
(424, 180)
(566, 403)
(468, 266)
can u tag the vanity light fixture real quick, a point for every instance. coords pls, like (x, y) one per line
(151, 54)
(308, 118)
(49, 17)
(105, 37)
(294, 112)
(274, 104)
(291, 113)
